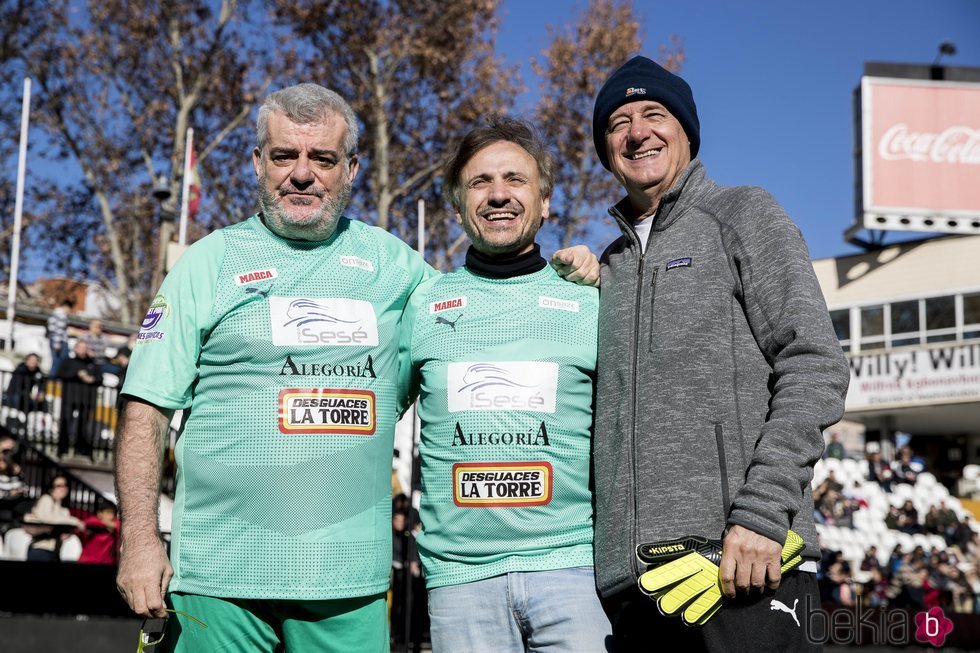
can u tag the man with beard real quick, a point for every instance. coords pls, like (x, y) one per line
(278, 337)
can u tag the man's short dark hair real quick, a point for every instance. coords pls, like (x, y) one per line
(497, 129)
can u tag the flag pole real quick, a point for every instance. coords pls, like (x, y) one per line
(25, 118)
(185, 187)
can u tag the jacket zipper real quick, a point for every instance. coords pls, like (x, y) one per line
(653, 300)
(632, 449)
(723, 467)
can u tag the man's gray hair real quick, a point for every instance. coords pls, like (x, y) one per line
(305, 104)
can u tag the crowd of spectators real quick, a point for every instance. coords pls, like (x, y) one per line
(914, 577)
(48, 528)
(28, 397)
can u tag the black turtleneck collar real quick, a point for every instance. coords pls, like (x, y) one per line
(504, 266)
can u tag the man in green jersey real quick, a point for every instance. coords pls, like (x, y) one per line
(504, 354)
(278, 338)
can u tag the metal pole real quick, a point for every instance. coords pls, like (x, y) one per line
(414, 492)
(185, 188)
(421, 246)
(25, 118)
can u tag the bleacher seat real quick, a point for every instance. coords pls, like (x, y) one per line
(937, 541)
(851, 469)
(15, 544)
(71, 549)
(969, 485)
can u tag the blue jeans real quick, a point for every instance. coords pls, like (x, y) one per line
(536, 611)
(59, 352)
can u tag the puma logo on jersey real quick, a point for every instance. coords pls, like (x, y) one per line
(782, 607)
(264, 292)
(441, 320)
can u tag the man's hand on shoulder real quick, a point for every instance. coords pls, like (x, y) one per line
(577, 264)
(143, 577)
(749, 561)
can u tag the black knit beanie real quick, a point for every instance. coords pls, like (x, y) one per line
(643, 79)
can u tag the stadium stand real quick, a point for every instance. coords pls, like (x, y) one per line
(925, 543)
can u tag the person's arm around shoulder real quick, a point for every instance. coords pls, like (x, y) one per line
(144, 569)
(577, 264)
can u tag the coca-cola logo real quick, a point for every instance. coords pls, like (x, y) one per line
(957, 144)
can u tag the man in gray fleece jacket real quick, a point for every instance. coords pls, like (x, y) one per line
(718, 370)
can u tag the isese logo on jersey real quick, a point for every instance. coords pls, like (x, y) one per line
(324, 321)
(502, 485)
(502, 385)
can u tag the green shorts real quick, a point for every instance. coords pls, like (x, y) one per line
(273, 626)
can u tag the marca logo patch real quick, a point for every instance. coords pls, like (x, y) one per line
(635, 90)
(447, 305)
(326, 410)
(502, 485)
(679, 263)
(558, 304)
(299, 321)
(502, 385)
(357, 262)
(255, 275)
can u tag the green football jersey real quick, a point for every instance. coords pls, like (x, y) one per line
(284, 355)
(505, 369)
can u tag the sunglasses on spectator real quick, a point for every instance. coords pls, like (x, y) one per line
(60, 485)
(153, 630)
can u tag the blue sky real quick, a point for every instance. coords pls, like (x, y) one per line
(773, 83)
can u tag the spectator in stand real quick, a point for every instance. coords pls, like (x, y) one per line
(100, 541)
(947, 521)
(895, 560)
(964, 537)
(97, 342)
(25, 392)
(57, 333)
(875, 590)
(930, 523)
(842, 585)
(893, 520)
(834, 448)
(906, 469)
(12, 489)
(907, 588)
(909, 520)
(121, 362)
(870, 561)
(879, 471)
(80, 380)
(55, 522)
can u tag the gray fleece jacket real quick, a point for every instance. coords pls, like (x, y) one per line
(718, 370)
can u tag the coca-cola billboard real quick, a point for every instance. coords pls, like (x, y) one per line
(921, 152)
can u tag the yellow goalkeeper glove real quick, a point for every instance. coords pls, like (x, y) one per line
(686, 578)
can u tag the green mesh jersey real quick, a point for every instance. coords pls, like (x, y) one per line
(286, 355)
(505, 369)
